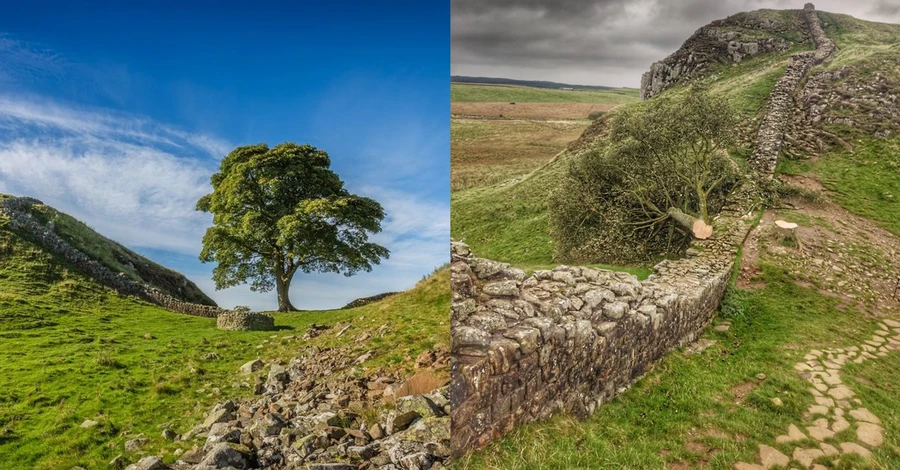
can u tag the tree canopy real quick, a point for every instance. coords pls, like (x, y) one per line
(651, 185)
(280, 210)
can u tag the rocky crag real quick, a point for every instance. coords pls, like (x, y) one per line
(720, 42)
(569, 339)
(15, 209)
(316, 413)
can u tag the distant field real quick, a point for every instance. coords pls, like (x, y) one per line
(460, 92)
(493, 140)
(485, 151)
(528, 110)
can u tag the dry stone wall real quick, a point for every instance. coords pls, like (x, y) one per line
(21, 221)
(780, 107)
(569, 339)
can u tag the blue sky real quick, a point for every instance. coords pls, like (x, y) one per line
(118, 115)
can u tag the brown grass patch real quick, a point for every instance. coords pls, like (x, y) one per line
(528, 110)
(484, 152)
(741, 391)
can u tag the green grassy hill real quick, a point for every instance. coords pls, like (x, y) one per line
(461, 92)
(72, 350)
(116, 257)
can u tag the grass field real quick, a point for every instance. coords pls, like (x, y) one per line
(460, 92)
(502, 132)
(71, 350)
(864, 182)
(492, 151)
(710, 410)
(550, 112)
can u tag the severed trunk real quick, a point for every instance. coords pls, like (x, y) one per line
(700, 229)
(283, 287)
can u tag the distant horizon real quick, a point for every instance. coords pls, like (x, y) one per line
(452, 76)
(599, 42)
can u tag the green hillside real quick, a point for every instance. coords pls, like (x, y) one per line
(71, 350)
(115, 256)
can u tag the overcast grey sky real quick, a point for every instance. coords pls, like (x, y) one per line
(599, 42)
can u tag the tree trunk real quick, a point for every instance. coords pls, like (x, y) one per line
(700, 229)
(283, 287)
(701, 198)
(786, 234)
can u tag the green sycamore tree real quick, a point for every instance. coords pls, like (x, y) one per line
(280, 210)
(654, 182)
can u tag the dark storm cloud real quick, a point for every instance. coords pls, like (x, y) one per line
(603, 42)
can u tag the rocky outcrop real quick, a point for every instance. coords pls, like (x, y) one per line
(367, 300)
(569, 339)
(862, 96)
(21, 221)
(720, 42)
(309, 414)
(780, 107)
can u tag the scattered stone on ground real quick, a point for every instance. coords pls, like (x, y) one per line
(835, 402)
(317, 412)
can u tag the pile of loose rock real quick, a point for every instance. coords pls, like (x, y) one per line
(306, 415)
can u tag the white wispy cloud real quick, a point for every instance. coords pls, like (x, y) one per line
(103, 125)
(137, 181)
(132, 179)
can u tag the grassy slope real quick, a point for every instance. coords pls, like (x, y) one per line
(865, 181)
(521, 94)
(489, 151)
(685, 411)
(118, 258)
(508, 222)
(71, 350)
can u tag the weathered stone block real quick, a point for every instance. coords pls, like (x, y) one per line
(615, 310)
(507, 288)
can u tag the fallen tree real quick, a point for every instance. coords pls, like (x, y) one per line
(652, 185)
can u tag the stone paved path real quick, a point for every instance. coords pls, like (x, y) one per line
(836, 409)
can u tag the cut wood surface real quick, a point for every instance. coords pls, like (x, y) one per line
(698, 227)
